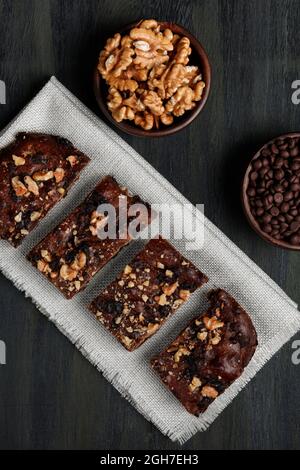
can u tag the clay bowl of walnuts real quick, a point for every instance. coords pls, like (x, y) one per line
(152, 78)
(271, 192)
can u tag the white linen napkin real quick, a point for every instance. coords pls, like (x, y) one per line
(276, 318)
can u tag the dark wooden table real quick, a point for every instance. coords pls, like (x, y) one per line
(50, 396)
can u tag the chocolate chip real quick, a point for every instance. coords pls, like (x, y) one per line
(278, 175)
(35, 257)
(267, 218)
(267, 228)
(278, 198)
(275, 211)
(259, 211)
(164, 310)
(295, 187)
(295, 239)
(263, 172)
(284, 207)
(274, 149)
(54, 265)
(295, 166)
(294, 152)
(70, 256)
(253, 176)
(288, 196)
(251, 192)
(257, 165)
(295, 226)
(278, 163)
(39, 158)
(112, 307)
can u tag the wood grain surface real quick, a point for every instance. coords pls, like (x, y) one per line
(50, 396)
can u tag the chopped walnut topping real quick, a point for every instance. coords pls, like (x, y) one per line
(141, 317)
(61, 191)
(208, 391)
(79, 261)
(127, 269)
(46, 255)
(31, 185)
(162, 299)
(218, 312)
(42, 176)
(35, 215)
(127, 341)
(170, 289)
(184, 294)
(145, 298)
(169, 273)
(59, 174)
(118, 320)
(72, 159)
(42, 265)
(212, 323)
(160, 265)
(177, 303)
(130, 284)
(182, 351)
(202, 336)
(152, 327)
(215, 340)
(195, 384)
(19, 188)
(67, 273)
(98, 221)
(77, 285)
(18, 217)
(18, 160)
(121, 283)
(129, 329)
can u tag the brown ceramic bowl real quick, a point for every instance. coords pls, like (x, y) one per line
(197, 57)
(245, 200)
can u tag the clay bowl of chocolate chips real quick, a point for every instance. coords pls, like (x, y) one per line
(271, 192)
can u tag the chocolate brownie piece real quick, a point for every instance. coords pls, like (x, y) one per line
(73, 252)
(152, 287)
(37, 171)
(209, 354)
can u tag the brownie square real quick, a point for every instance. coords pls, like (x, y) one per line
(209, 354)
(73, 253)
(149, 289)
(37, 170)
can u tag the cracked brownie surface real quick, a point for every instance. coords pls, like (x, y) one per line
(72, 253)
(152, 287)
(36, 171)
(209, 354)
